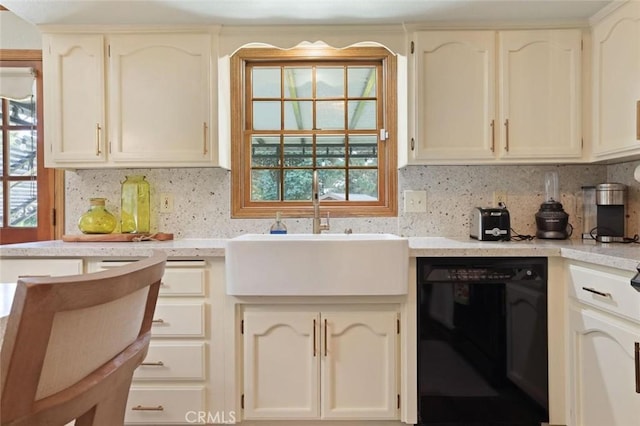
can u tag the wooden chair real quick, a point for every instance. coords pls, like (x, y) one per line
(71, 345)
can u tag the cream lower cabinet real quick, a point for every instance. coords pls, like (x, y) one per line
(482, 96)
(604, 348)
(128, 99)
(320, 363)
(172, 386)
(616, 83)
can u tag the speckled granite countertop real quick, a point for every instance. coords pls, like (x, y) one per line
(616, 255)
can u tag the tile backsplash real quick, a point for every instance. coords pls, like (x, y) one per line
(202, 199)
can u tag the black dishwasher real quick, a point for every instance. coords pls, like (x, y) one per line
(482, 341)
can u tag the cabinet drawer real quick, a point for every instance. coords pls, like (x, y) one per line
(175, 361)
(12, 269)
(171, 405)
(183, 282)
(608, 291)
(178, 320)
(181, 277)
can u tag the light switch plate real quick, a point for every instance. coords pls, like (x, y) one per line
(415, 201)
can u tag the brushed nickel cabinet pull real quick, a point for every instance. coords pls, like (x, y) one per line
(594, 291)
(637, 359)
(204, 131)
(326, 343)
(158, 321)
(506, 144)
(493, 135)
(145, 408)
(98, 128)
(314, 338)
(153, 364)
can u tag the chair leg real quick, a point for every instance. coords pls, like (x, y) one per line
(110, 411)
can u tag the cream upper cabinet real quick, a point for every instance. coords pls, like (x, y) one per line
(320, 364)
(616, 83)
(483, 96)
(126, 100)
(74, 100)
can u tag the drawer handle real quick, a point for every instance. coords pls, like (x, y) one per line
(594, 291)
(154, 364)
(314, 338)
(158, 321)
(637, 358)
(143, 408)
(325, 338)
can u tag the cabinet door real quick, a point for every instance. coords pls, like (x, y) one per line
(281, 365)
(540, 94)
(603, 369)
(74, 99)
(455, 95)
(616, 89)
(359, 379)
(160, 99)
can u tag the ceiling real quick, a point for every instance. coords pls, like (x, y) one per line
(300, 12)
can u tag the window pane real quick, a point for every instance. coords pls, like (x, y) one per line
(264, 185)
(363, 185)
(330, 82)
(330, 151)
(23, 204)
(266, 115)
(362, 82)
(297, 83)
(22, 113)
(297, 185)
(22, 153)
(362, 115)
(298, 115)
(298, 151)
(333, 184)
(266, 82)
(330, 115)
(265, 151)
(1, 205)
(363, 150)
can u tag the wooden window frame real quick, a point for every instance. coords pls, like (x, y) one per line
(241, 204)
(50, 182)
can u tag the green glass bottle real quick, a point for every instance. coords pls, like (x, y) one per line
(134, 207)
(97, 220)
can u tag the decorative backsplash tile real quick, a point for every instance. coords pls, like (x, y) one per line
(202, 199)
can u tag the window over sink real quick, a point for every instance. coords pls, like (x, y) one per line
(313, 108)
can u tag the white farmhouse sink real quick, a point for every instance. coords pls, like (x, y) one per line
(317, 265)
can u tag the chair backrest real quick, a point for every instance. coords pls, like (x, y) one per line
(71, 344)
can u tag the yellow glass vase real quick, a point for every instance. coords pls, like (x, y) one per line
(134, 208)
(97, 220)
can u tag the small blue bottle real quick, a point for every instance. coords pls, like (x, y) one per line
(278, 226)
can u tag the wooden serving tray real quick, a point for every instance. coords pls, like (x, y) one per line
(113, 238)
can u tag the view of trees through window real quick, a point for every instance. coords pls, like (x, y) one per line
(19, 172)
(306, 117)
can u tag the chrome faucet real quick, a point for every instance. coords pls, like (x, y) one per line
(318, 226)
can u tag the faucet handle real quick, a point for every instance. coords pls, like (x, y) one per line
(325, 226)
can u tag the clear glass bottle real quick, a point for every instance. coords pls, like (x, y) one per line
(97, 220)
(134, 207)
(278, 226)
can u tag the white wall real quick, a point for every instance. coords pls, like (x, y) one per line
(18, 34)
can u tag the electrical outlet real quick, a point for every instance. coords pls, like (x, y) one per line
(499, 196)
(166, 202)
(415, 201)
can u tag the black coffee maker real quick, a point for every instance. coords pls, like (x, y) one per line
(552, 222)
